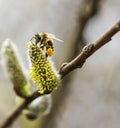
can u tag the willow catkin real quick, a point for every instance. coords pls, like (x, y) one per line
(12, 63)
(42, 71)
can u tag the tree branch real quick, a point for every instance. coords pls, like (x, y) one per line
(89, 49)
(67, 68)
(17, 111)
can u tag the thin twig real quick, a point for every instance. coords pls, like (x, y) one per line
(67, 68)
(17, 111)
(89, 50)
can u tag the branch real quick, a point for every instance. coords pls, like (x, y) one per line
(89, 49)
(67, 68)
(17, 111)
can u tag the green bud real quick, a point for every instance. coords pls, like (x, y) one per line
(39, 107)
(14, 68)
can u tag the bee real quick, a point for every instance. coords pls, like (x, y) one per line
(45, 42)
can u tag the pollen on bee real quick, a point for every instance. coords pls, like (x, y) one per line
(49, 51)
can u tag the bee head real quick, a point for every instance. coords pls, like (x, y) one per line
(45, 42)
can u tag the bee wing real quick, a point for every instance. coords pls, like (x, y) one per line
(58, 39)
(54, 38)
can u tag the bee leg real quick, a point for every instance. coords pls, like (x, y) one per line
(42, 47)
(46, 55)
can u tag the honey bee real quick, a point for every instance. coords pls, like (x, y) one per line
(45, 42)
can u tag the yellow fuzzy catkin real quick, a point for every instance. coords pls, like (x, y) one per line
(42, 71)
